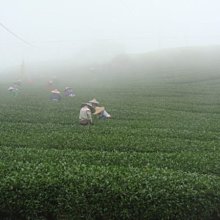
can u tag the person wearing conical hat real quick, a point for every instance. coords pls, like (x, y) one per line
(68, 92)
(55, 95)
(85, 114)
(99, 110)
(13, 90)
(94, 102)
(50, 83)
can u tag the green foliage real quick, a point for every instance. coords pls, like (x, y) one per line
(157, 158)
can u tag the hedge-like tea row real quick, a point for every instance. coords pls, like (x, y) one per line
(107, 137)
(101, 185)
(158, 158)
(197, 162)
(57, 191)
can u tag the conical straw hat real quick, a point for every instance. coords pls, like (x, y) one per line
(94, 101)
(11, 88)
(99, 110)
(55, 91)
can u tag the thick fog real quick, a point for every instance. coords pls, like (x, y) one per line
(45, 32)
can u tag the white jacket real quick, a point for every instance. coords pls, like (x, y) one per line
(85, 114)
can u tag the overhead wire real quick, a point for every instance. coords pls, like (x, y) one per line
(15, 35)
(62, 41)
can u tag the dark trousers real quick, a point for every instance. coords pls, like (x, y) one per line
(85, 122)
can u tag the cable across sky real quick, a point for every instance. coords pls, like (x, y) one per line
(15, 35)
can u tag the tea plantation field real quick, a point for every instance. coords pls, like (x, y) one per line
(157, 158)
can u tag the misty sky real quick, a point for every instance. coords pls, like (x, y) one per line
(81, 29)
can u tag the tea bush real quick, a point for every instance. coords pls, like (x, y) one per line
(157, 158)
